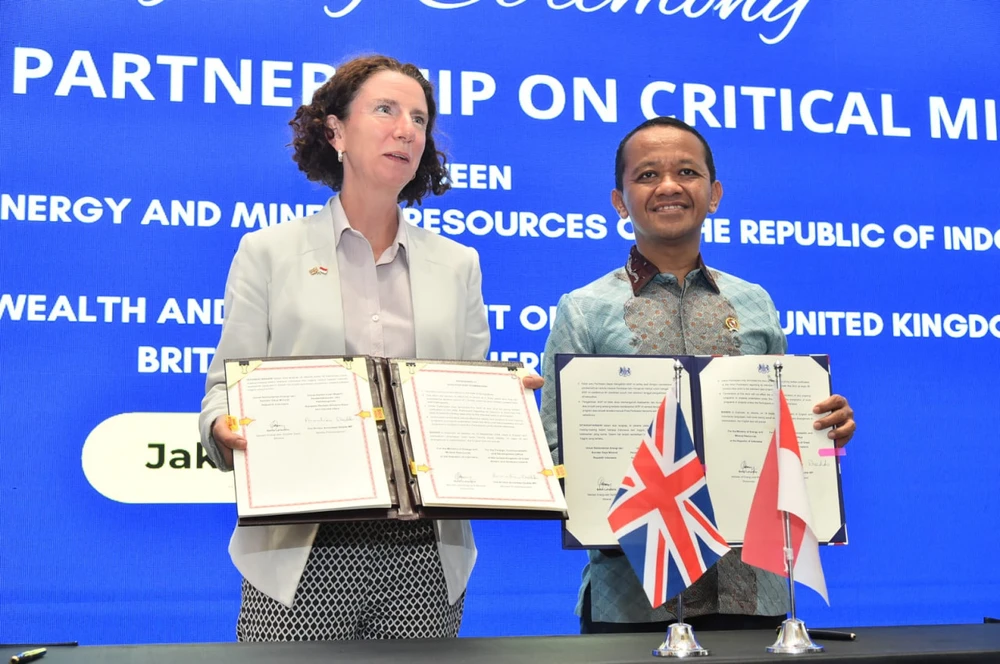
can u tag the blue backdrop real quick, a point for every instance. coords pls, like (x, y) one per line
(856, 140)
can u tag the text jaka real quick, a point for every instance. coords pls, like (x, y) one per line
(180, 459)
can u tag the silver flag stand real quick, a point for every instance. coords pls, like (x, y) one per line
(793, 637)
(680, 641)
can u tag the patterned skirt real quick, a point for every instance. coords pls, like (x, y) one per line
(363, 580)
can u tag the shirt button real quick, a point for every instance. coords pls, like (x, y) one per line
(375, 318)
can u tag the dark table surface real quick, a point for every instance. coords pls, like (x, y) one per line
(936, 643)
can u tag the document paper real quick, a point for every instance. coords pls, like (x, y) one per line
(312, 444)
(477, 439)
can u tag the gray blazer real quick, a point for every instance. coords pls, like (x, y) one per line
(274, 307)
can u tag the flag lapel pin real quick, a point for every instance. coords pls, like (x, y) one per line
(319, 269)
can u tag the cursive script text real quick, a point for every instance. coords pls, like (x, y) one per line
(786, 13)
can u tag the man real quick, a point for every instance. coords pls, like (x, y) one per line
(665, 301)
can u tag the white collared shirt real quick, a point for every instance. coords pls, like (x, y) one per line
(375, 294)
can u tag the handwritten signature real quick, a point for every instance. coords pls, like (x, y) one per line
(519, 477)
(463, 479)
(747, 469)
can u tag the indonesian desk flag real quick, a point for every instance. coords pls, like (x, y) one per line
(782, 487)
(662, 514)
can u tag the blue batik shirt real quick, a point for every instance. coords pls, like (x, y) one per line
(637, 310)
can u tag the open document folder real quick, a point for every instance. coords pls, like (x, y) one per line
(606, 403)
(338, 438)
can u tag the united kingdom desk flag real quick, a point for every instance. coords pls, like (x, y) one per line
(782, 488)
(662, 514)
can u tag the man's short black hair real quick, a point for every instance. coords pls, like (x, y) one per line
(660, 122)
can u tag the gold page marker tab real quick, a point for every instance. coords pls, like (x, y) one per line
(234, 424)
(379, 414)
(560, 471)
(418, 468)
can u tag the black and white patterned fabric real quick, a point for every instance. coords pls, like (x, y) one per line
(363, 580)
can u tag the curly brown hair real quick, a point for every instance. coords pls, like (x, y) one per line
(317, 158)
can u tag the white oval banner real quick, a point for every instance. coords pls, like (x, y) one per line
(153, 458)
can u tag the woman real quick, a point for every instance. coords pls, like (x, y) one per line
(389, 289)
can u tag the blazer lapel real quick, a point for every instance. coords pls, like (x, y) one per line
(422, 278)
(435, 309)
(321, 251)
